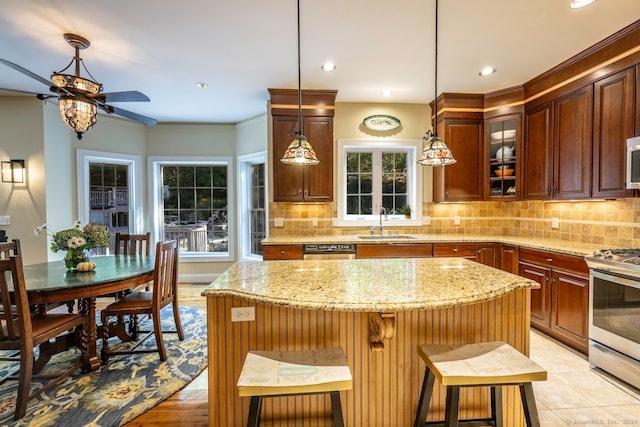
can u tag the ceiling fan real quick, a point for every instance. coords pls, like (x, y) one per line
(79, 98)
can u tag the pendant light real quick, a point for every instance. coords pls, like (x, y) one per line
(435, 152)
(300, 151)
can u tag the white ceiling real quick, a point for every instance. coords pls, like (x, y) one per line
(242, 47)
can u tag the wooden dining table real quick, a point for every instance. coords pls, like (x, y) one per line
(51, 282)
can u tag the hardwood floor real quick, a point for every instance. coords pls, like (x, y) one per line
(187, 407)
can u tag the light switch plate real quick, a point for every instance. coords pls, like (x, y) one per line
(555, 223)
(278, 222)
(426, 220)
(5, 219)
(456, 220)
(243, 314)
(314, 222)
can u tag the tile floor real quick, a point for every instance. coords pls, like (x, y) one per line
(575, 393)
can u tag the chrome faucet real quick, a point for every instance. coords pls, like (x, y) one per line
(383, 211)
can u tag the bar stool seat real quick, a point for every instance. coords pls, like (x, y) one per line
(282, 373)
(492, 364)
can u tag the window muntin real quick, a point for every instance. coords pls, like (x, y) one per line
(257, 209)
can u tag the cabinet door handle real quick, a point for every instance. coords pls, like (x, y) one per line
(549, 260)
(282, 252)
(455, 249)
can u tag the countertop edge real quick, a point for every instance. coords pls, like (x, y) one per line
(553, 245)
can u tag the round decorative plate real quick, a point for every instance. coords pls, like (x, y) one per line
(381, 122)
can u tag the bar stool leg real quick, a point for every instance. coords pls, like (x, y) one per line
(496, 405)
(425, 398)
(451, 416)
(336, 409)
(254, 411)
(529, 405)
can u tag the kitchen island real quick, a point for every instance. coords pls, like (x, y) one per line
(378, 311)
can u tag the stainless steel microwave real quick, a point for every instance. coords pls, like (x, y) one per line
(633, 162)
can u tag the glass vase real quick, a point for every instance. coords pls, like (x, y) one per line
(75, 257)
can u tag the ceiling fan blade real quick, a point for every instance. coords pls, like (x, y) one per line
(26, 72)
(129, 96)
(128, 114)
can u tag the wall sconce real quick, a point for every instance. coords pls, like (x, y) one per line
(13, 171)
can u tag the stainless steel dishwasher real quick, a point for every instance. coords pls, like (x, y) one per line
(329, 251)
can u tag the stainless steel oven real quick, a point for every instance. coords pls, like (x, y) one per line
(614, 316)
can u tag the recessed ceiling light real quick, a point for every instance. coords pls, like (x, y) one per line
(202, 85)
(486, 71)
(575, 4)
(386, 93)
(328, 66)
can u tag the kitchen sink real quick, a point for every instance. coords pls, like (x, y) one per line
(387, 237)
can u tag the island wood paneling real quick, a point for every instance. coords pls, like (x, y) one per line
(386, 384)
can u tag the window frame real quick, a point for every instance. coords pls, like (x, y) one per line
(134, 165)
(244, 196)
(155, 164)
(414, 179)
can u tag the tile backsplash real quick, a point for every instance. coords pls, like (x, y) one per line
(607, 223)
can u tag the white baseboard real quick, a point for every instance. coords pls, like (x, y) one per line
(197, 278)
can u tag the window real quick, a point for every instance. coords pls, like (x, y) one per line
(109, 191)
(192, 204)
(378, 175)
(252, 182)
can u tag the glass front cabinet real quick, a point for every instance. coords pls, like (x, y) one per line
(503, 163)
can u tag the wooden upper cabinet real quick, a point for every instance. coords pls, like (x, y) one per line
(573, 118)
(462, 181)
(538, 154)
(613, 123)
(297, 183)
(558, 147)
(637, 118)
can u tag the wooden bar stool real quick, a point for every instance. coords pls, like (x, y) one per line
(277, 373)
(491, 364)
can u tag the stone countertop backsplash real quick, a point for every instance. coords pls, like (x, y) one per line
(370, 285)
(554, 245)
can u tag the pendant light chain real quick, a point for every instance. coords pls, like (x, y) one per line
(435, 151)
(435, 121)
(299, 80)
(299, 151)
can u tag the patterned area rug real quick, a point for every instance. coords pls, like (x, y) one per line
(126, 387)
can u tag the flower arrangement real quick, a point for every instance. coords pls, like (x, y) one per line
(76, 241)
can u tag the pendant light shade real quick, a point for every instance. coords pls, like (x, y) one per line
(300, 151)
(435, 151)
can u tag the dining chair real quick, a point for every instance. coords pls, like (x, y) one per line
(164, 292)
(22, 331)
(7, 249)
(133, 244)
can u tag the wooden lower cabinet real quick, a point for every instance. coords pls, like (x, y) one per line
(509, 258)
(464, 250)
(394, 250)
(487, 254)
(560, 307)
(281, 252)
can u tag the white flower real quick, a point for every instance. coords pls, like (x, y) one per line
(39, 229)
(76, 242)
(77, 224)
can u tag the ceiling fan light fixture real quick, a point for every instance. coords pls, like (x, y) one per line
(79, 115)
(300, 152)
(76, 82)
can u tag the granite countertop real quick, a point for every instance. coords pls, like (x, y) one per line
(371, 285)
(554, 245)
